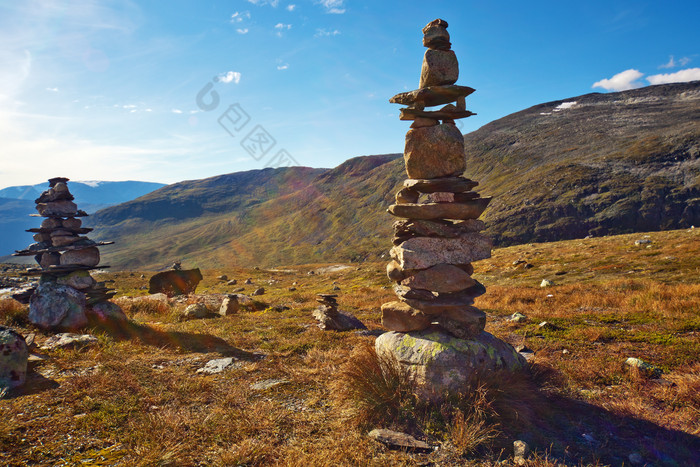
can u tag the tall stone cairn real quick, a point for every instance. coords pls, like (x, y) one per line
(67, 294)
(436, 332)
(438, 236)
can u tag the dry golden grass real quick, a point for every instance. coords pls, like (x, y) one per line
(136, 398)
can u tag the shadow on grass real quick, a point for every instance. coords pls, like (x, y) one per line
(34, 384)
(189, 342)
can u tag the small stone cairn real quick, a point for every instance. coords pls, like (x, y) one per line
(437, 237)
(67, 295)
(331, 319)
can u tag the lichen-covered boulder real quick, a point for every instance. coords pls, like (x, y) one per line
(13, 358)
(106, 312)
(57, 306)
(443, 364)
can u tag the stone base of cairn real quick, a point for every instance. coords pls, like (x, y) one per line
(67, 295)
(437, 331)
(331, 319)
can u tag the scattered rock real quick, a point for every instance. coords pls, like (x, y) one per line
(517, 317)
(13, 358)
(548, 326)
(229, 305)
(520, 451)
(106, 312)
(259, 291)
(195, 311)
(642, 241)
(248, 281)
(292, 289)
(232, 282)
(218, 365)
(645, 369)
(175, 282)
(223, 277)
(68, 340)
(398, 440)
(268, 384)
(546, 283)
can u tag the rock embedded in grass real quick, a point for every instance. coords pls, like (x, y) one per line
(13, 358)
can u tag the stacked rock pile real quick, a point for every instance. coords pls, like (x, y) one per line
(438, 236)
(67, 293)
(331, 319)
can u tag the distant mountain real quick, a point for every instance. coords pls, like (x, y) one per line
(589, 165)
(17, 203)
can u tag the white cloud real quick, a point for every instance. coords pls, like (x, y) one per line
(326, 33)
(52, 89)
(238, 16)
(621, 81)
(684, 61)
(230, 76)
(129, 106)
(682, 76)
(670, 64)
(282, 67)
(283, 26)
(336, 7)
(242, 31)
(176, 111)
(291, 7)
(272, 3)
(148, 110)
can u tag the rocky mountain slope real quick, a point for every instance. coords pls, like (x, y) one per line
(589, 165)
(17, 202)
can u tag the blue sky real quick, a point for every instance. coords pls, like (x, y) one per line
(103, 90)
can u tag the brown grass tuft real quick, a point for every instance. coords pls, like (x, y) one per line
(13, 313)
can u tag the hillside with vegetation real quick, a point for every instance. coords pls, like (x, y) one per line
(595, 165)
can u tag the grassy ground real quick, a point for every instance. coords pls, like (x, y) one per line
(135, 398)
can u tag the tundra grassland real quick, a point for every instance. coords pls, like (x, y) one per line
(136, 398)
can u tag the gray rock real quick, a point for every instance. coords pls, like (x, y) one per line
(517, 318)
(223, 277)
(106, 312)
(333, 320)
(469, 209)
(465, 323)
(229, 306)
(68, 340)
(13, 358)
(84, 257)
(195, 311)
(57, 306)
(218, 365)
(268, 384)
(398, 440)
(394, 272)
(78, 280)
(646, 369)
(520, 449)
(442, 363)
(424, 252)
(232, 282)
(440, 67)
(546, 283)
(259, 291)
(642, 241)
(434, 151)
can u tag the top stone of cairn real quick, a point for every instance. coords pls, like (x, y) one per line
(435, 35)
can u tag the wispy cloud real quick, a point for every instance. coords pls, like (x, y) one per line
(272, 3)
(230, 77)
(681, 76)
(176, 111)
(291, 7)
(242, 30)
(621, 81)
(283, 67)
(238, 16)
(336, 7)
(672, 63)
(326, 33)
(52, 89)
(283, 26)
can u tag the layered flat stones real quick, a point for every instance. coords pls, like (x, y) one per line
(432, 95)
(442, 184)
(441, 278)
(466, 210)
(425, 252)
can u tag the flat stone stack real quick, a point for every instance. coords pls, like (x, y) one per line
(66, 294)
(331, 319)
(436, 333)
(438, 236)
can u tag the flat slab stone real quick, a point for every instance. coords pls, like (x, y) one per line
(434, 151)
(458, 211)
(432, 95)
(398, 440)
(429, 228)
(69, 340)
(447, 303)
(401, 317)
(63, 208)
(218, 365)
(424, 252)
(442, 278)
(443, 364)
(443, 184)
(451, 114)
